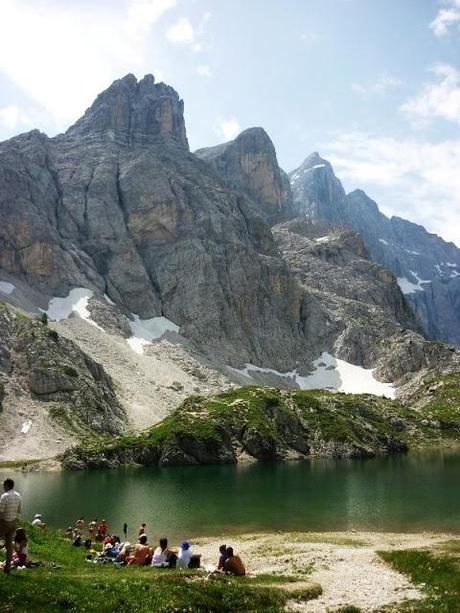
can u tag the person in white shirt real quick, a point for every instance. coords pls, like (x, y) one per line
(10, 508)
(184, 556)
(38, 521)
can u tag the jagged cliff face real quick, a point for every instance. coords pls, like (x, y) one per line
(427, 268)
(119, 205)
(248, 164)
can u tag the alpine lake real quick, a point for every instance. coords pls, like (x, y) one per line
(399, 493)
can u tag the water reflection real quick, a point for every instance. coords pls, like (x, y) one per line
(401, 493)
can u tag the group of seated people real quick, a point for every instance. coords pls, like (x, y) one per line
(143, 554)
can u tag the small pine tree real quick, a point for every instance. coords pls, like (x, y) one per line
(44, 319)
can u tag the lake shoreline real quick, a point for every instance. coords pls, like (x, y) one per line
(346, 564)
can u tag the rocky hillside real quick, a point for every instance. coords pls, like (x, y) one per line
(427, 268)
(51, 389)
(268, 424)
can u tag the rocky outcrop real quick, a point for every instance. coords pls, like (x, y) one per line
(39, 364)
(427, 268)
(248, 164)
(359, 306)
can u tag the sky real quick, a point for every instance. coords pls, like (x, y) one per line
(373, 85)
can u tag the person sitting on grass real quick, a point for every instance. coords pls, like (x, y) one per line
(21, 549)
(222, 557)
(142, 554)
(38, 521)
(184, 556)
(124, 553)
(233, 564)
(164, 557)
(69, 533)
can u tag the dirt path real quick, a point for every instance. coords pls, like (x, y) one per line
(346, 565)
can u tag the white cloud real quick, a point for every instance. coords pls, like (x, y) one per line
(181, 33)
(437, 99)
(309, 37)
(62, 56)
(228, 128)
(383, 83)
(11, 117)
(446, 18)
(415, 179)
(204, 70)
(386, 82)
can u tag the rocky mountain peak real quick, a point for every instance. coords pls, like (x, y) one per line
(318, 194)
(249, 164)
(135, 112)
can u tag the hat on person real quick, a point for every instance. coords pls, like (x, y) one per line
(38, 516)
(185, 545)
(108, 546)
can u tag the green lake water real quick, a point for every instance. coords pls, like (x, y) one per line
(406, 493)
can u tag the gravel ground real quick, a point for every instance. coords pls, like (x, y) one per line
(346, 565)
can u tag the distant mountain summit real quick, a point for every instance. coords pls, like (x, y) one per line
(427, 267)
(249, 164)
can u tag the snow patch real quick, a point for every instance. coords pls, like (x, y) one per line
(331, 373)
(147, 330)
(322, 239)
(412, 252)
(108, 300)
(6, 288)
(451, 264)
(75, 302)
(407, 287)
(317, 166)
(382, 240)
(26, 426)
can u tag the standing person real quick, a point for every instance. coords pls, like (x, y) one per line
(79, 527)
(141, 529)
(102, 529)
(10, 508)
(92, 528)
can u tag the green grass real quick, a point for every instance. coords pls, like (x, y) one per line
(278, 422)
(73, 584)
(435, 572)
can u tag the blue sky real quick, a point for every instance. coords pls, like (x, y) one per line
(373, 85)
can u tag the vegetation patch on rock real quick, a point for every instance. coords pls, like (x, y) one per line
(266, 424)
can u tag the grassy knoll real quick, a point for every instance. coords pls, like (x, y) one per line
(67, 582)
(266, 423)
(436, 572)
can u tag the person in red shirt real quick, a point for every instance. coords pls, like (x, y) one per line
(102, 530)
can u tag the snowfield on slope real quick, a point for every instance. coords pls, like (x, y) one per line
(147, 330)
(329, 373)
(75, 302)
